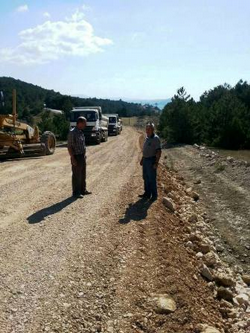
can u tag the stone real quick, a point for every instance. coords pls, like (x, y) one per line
(193, 218)
(225, 280)
(226, 304)
(210, 329)
(173, 196)
(219, 248)
(230, 159)
(199, 255)
(98, 328)
(66, 305)
(232, 313)
(210, 259)
(190, 244)
(167, 189)
(204, 248)
(197, 181)
(128, 315)
(204, 328)
(195, 196)
(194, 237)
(169, 204)
(110, 326)
(242, 299)
(224, 293)
(238, 269)
(246, 278)
(163, 304)
(206, 273)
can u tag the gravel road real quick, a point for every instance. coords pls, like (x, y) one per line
(88, 265)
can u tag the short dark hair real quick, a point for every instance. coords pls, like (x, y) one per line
(81, 120)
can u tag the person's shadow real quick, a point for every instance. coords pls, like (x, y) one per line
(43, 213)
(137, 211)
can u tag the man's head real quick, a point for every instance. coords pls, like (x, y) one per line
(81, 123)
(150, 129)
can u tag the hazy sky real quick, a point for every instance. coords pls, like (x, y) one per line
(126, 48)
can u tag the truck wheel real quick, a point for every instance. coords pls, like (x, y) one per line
(98, 139)
(103, 137)
(49, 139)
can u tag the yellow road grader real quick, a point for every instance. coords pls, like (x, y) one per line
(18, 139)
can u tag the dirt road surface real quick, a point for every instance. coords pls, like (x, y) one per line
(89, 265)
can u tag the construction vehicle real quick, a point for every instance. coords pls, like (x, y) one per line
(96, 129)
(18, 139)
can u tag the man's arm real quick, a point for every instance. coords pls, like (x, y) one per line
(70, 149)
(158, 153)
(158, 156)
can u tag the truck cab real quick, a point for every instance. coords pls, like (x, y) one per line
(96, 129)
(113, 125)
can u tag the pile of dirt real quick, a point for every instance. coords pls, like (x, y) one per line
(160, 264)
(223, 184)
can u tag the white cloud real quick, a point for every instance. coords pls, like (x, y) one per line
(51, 41)
(86, 8)
(22, 9)
(46, 15)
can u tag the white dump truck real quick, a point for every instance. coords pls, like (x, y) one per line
(120, 124)
(114, 126)
(96, 130)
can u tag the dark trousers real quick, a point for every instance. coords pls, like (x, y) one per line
(149, 176)
(79, 175)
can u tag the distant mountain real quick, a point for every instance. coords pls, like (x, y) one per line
(80, 95)
(160, 103)
(31, 100)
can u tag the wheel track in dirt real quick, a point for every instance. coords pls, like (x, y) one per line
(24, 245)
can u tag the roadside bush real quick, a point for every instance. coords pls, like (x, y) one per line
(58, 124)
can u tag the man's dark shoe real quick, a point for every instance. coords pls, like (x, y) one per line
(153, 199)
(86, 193)
(78, 196)
(144, 195)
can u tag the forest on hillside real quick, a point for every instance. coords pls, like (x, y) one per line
(31, 100)
(221, 117)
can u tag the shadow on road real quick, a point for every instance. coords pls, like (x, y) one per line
(18, 158)
(43, 213)
(136, 212)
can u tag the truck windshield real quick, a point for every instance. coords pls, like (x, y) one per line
(112, 120)
(89, 115)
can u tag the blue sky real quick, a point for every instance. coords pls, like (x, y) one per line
(126, 48)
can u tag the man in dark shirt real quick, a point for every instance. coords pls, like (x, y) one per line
(77, 152)
(149, 162)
